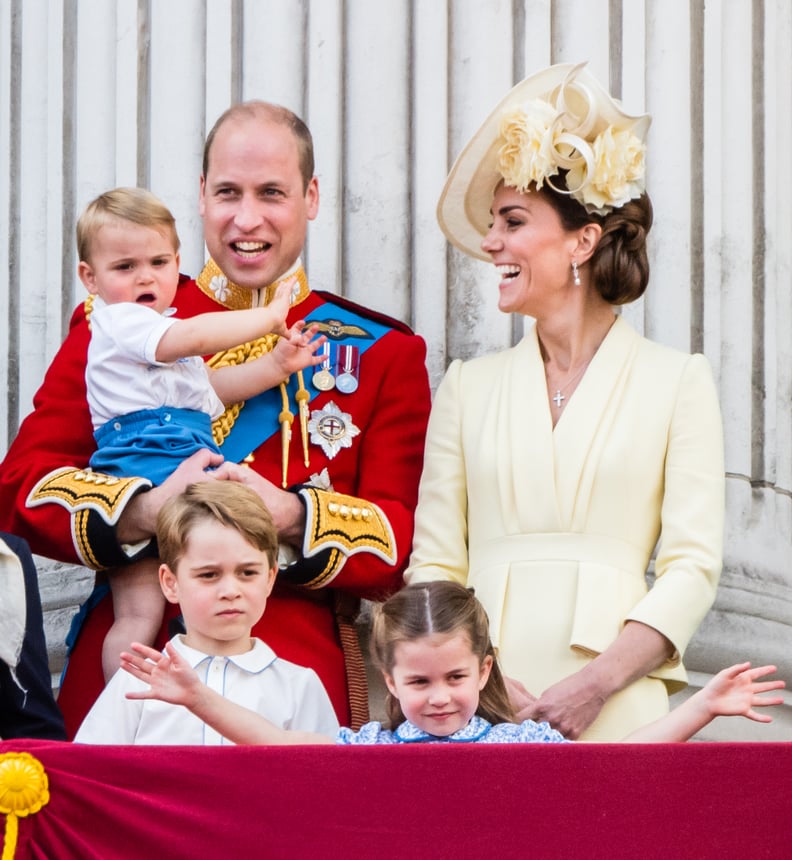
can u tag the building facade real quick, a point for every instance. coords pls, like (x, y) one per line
(95, 94)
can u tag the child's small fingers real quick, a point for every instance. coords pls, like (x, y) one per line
(760, 671)
(735, 670)
(767, 686)
(758, 717)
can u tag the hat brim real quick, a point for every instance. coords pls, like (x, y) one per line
(463, 210)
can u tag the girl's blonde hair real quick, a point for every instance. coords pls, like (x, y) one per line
(442, 607)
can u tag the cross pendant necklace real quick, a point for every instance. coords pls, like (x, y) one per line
(558, 398)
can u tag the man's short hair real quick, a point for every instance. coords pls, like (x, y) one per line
(133, 205)
(270, 113)
(229, 503)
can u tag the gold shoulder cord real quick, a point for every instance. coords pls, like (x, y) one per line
(212, 282)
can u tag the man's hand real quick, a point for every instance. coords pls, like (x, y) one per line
(287, 510)
(137, 522)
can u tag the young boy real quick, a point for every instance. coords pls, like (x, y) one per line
(219, 551)
(151, 396)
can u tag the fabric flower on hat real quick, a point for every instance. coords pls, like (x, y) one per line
(617, 175)
(538, 139)
(527, 153)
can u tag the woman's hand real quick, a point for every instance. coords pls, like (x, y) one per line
(169, 676)
(521, 700)
(570, 706)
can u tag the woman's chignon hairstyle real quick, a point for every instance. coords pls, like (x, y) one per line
(619, 267)
(439, 607)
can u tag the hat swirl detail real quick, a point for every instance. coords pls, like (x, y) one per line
(605, 165)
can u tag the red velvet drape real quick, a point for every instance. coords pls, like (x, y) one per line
(587, 801)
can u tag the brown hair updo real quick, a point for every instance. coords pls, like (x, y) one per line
(619, 266)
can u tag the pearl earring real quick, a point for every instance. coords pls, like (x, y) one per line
(575, 273)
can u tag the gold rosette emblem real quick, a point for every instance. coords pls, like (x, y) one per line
(24, 789)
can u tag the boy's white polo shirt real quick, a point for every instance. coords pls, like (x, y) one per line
(288, 695)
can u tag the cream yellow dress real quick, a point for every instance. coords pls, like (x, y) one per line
(555, 527)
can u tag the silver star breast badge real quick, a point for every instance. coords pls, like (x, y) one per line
(331, 429)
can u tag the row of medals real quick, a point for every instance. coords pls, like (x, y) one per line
(346, 365)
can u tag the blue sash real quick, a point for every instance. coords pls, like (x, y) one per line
(258, 418)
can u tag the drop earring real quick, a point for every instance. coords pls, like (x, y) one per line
(575, 273)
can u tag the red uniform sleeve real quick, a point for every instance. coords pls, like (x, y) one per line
(57, 437)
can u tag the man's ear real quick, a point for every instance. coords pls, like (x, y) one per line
(202, 196)
(312, 198)
(87, 276)
(169, 584)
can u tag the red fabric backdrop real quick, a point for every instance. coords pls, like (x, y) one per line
(587, 801)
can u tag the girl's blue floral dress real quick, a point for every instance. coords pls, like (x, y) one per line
(477, 731)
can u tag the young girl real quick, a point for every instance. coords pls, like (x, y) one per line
(431, 642)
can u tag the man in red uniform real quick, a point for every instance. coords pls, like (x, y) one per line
(338, 466)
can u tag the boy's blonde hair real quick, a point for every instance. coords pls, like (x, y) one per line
(133, 205)
(232, 504)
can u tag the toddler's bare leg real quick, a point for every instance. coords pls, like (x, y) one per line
(138, 606)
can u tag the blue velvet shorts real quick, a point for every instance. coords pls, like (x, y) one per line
(151, 443)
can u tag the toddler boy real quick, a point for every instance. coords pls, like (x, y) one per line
(152, 398)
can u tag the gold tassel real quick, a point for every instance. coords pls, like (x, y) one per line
(286, 417)
(302, 405)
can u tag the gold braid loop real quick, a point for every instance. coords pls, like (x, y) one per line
(242, 354)
(88, 309)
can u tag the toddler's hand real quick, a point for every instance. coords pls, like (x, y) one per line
(279, 306)
(296, 350)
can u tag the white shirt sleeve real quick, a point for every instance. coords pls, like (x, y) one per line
(313, 711)
(113, 719)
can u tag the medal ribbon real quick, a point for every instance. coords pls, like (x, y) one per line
(263, 410)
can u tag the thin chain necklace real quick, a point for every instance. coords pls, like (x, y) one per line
(558, 398)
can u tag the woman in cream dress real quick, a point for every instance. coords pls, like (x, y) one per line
(553, 468)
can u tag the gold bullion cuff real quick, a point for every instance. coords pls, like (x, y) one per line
(86, 490)
(347, 524)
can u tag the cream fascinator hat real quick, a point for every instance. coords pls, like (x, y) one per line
(558, 119)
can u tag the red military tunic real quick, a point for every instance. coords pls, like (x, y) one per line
(356, 547)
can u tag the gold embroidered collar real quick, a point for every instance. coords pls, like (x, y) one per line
(216, 285)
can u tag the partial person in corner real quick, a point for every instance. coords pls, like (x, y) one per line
(27, 705)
